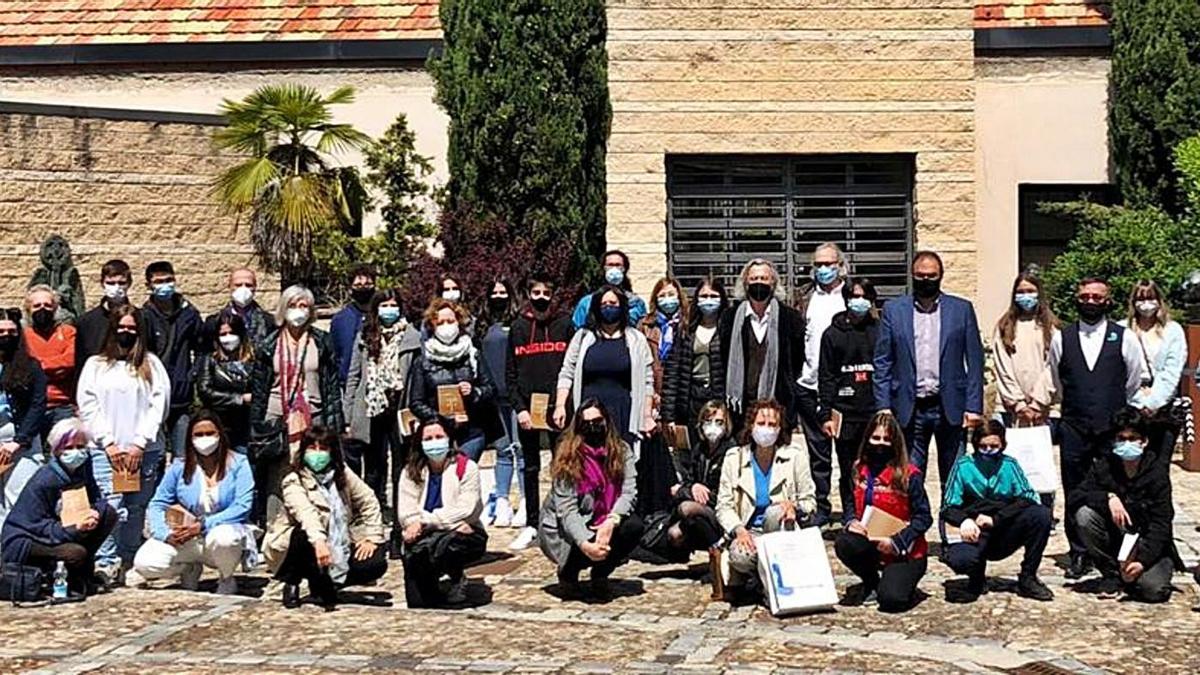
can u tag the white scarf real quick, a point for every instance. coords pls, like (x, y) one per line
(440, 352)
(338, 531)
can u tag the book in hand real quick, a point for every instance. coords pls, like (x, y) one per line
(681, 439)
(1128, 547)
(408, 422)
(126, 480)
(835, 416)
(177, 516)
(75, 507)
(951, 534)
(880, 524)
(450, 402)
(539, 411)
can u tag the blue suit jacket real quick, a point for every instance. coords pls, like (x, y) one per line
(961, 365)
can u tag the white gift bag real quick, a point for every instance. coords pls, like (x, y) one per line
(795, 572)
(1034, 451)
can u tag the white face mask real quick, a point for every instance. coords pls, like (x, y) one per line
(242, 295)
(765, 436)
(115, 292)
(713, 431)
(1147, 307)
(205, 445)
(447, 332)
(297, 316)
(452, 296)
(230, 342)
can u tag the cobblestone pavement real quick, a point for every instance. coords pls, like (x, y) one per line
(660, 621)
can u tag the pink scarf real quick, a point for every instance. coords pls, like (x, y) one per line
(595, 482)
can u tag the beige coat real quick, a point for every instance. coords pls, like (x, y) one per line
(461, 501)
(306, 507)
(791, 480)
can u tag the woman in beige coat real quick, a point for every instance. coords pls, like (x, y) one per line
(330, 529)
(765, 485)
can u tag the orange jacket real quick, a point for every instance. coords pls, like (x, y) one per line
(57, 356)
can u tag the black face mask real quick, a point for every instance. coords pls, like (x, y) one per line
(8, 344)
(877, 453)
(540, 305)
(759, 292)
(927, 289)
(126, 340)
(362, 295)
(497, 305)
(1091, 312)
(594, 433)
(43, 319)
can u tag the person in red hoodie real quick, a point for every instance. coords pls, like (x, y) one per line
(884, 480)
(53, 346)
(537, 342)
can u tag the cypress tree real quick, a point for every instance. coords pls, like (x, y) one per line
(525, 83)
(1155, 87)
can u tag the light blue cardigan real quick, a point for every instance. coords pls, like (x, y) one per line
(235, 497)
(1167, 368)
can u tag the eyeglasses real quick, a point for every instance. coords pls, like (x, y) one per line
(1092, 297)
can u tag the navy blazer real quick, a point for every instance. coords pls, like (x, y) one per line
(961, 365)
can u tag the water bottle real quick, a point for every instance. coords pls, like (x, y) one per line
(60, 581)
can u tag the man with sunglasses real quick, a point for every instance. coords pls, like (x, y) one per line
(1097, 367)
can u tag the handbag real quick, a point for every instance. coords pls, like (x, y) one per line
(22, 583)
(1175, 412)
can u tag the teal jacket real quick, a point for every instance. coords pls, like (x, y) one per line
(981, 485)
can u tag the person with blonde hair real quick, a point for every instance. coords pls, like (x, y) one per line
(1164, 346)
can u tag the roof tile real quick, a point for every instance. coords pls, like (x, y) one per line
(1032, 13)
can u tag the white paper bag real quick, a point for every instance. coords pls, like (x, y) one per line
(1034, 451)
(795, 572)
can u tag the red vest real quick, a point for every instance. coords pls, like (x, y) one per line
(889, 500)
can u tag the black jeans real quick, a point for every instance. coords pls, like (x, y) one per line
(531, 448)
(820, 452)
(929, 423)
(300, 564)
(428, 558)
(1103, 541)
(1029, 528)
(848, 443)
(79, 556)
(895, 586)
(625, 538)
(1079, 450)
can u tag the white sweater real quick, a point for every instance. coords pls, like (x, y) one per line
(118, 407)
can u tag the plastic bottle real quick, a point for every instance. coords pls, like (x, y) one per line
(60, 581)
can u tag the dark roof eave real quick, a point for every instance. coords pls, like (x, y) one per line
(413, 51)
(1001, 41)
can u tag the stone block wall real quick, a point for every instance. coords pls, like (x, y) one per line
(115, 188)
(795, 77)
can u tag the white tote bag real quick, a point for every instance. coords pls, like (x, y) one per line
(1034, 451)
(795, 572)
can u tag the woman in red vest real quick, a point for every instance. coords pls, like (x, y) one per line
(889, 565)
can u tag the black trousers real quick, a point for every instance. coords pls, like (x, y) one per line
(531, 448)
(1103, 541)
(300, 564)
(1079, 450)
(79, 556)
(895, 585)
(431, 556)
(820, 453)
(698, 528)
(1029, 528)
(625, 538)
(847, 445)
(1162, 444)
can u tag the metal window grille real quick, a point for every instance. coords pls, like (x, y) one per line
(725, 210)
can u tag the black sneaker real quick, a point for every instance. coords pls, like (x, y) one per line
(977, 584)
(1079, 567)
(1108, 588)
(1031, 587)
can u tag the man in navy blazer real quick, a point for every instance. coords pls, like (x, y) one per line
(929, 365)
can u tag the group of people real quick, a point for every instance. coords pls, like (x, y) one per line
(692, 420)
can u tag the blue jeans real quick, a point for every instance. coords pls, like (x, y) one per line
(177, 427)
(928, 423)
(508, 454)
(122, 544)
(472, 443)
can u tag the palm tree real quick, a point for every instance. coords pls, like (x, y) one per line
(289, 185)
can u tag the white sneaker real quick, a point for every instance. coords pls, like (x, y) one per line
(524, 539)
(227, 586)
(504, 513)
(134, 579)
(520, 518)
(189, 578)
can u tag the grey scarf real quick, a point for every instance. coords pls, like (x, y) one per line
(735, 372)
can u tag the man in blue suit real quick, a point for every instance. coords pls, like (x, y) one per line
(929, 365)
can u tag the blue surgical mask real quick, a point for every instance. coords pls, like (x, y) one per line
(668, 305)
(436, 449)
(709, 306)
(1026, 301)
(858, 306)
(164, 290)
(614, 275)
(389, 315)
(1128, 450)
(610, 313)
(825, 274)
(73, 458)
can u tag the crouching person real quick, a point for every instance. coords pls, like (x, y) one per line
(989, 500)
(439, 509)
(200, 513)
(1126, 495)
(34, 533)
(884, 480)
(693, 525)
(330, 530)
(765, 485)
(588, 521)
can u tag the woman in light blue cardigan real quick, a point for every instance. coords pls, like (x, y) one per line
(200, 513)
(1164, 346)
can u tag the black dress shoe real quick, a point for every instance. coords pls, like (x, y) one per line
(291, 596)
(1080, 566)
(324, 590)
(1031, 587)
